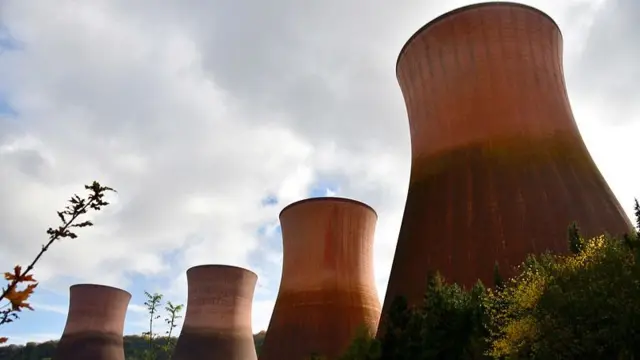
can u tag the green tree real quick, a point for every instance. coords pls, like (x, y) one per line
(451, 321)
(577, 306)
(153, 302)
(396, 339)
(448, 325)
(173, 314)
(158, 347)
(575, 241)
(363, 347)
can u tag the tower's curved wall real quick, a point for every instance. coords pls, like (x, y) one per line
(499, 169)
(95, 324)
(327, 289)
(217, 323)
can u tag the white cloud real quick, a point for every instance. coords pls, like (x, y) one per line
(50, 308)
(33, 337)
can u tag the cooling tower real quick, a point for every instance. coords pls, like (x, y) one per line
(217, 324)
(95, 324)
(499, 169)
(327, 288)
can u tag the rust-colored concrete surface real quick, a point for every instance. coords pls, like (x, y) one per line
(327, 289)
(499, 169)
(217, 323)
(95, 324)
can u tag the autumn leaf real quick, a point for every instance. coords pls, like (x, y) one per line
(18, 298)
(16, 274)
(3, 340)
(27, 278)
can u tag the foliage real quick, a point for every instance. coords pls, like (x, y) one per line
(173, 314)
(575, 242)
(448, 324)
(165, 347)
(562, 306)
(16, 298)
(580, 305)
(133, 345)
(258, 339)
(363, 347)
(152, 303)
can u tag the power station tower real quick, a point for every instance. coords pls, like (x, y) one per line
(499, 169)
(95, 324)
(327, 288)
(217, 323)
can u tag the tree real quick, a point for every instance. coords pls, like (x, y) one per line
(575, 241)
(363, 347)
(396, 339)
(159, 347)
(448, 325)
(16, 298)
(154, 301)
(173, 314)
(563, 306)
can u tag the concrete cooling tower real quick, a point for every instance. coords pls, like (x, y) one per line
(217, 323)
(327, 289)
(95, 324)
(499, 169)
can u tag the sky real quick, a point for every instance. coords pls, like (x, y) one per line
(209, 116)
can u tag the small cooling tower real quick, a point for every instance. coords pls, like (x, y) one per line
(217, 324)
(95, 324)
(327, 289)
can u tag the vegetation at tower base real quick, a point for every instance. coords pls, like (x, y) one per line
(449, 324)
(581, 305)
(164, 348)
(12, 298)
(134, 345)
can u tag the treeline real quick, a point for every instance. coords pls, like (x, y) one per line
(582, 305)
(133, 346)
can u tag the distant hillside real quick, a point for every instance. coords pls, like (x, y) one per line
(133, 344)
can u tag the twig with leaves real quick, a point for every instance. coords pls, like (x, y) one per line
(17, 299)
(173, 314)
(154, 301)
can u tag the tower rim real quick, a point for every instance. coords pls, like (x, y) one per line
(328, 199)
(462, 9)
(99, 286)
(220, 266)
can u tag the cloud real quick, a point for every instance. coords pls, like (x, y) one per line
(209, 116)
(613, 75)
(50, 308)
(33, 337)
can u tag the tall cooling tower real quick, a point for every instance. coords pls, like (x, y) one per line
(95, 324)
(327, 289)
(217, 324)
(499, 169)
